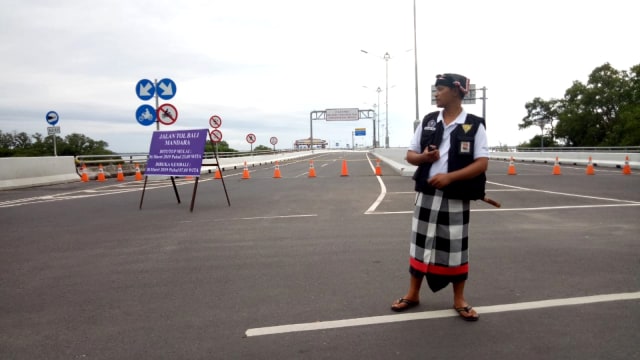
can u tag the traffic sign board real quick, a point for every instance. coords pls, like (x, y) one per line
(215, 121)
(167, 114)
(360, 132)
(251, 138)
(52, 117)
(273, 140)
(215, 135)
(145, 89)
(349, 114)
(51, 130)
(166, 89)
(146, 115)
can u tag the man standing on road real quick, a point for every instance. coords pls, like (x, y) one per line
(451, 152)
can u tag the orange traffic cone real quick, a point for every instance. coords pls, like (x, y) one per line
(345, 171)
(120, 173)
(245, 172)
(626, 170)
(84, 177)
(590, 170)
(101, 176)
(138, 173)
(378, 169)
(512, 168)
(556, 167)
(218, 174)
(312, 170)
(276, 172)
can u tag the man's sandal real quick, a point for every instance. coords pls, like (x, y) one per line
(467, 309)
(403, 304)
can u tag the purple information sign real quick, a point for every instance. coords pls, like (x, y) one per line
(176, 153)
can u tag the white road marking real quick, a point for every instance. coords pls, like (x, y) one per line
(620, 202)
(502, 190)
(87, 193)
(265, 217)
(557, 207)
(426, 315)
(564, 194)
(383, 191)
(516, 209)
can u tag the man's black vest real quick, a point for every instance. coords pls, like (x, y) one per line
(460, 155)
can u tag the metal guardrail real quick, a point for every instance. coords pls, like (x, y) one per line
(617, 149)
(142, 157)
(129, 161)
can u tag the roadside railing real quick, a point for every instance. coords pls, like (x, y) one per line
(130, 161)
(613, 149)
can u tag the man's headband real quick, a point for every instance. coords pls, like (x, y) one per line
(454, 81)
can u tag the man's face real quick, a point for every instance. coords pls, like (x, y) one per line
(445, 95)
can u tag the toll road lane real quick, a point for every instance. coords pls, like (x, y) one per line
(94, 276)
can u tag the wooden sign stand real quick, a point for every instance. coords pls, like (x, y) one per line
(216, 164)
(179, 148)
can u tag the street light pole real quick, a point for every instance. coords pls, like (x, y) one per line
(386, 58)
(415, 60)
(386, 94)
(375, 110)
(378, 115)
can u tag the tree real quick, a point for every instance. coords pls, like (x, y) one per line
(39, 145)
(6, 140)
(541, 113)
(629, 126)
(594, 107)
(537, 142)
(21, 144)
(603, 112)
(223, 146)
(262, 148)
(78, 144)
(21, 140)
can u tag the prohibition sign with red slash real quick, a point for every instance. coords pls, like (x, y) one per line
(215, 121)
(167, 114)
(215, 136)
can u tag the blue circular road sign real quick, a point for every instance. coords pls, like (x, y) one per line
(166, 89)
(146, 115)
(52, 117)
(145, 89)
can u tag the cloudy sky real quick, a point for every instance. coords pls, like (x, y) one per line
(264, 66)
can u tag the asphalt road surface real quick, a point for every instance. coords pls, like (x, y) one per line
(306, 268)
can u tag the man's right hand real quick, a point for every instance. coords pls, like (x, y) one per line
(431, 154)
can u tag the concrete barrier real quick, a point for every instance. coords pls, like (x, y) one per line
(25, 172)
(21, 172)
(604, 159)
(33, 171)
(395, 157)
(256, 160)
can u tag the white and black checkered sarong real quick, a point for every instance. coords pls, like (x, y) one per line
(439, 240)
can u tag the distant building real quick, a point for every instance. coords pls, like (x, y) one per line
(305, 143)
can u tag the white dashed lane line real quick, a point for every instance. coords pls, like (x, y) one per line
(482, 310)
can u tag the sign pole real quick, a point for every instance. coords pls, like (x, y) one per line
(52, 119)
(193, 197)
(155, 83)
(144, 187)
(311, 131)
